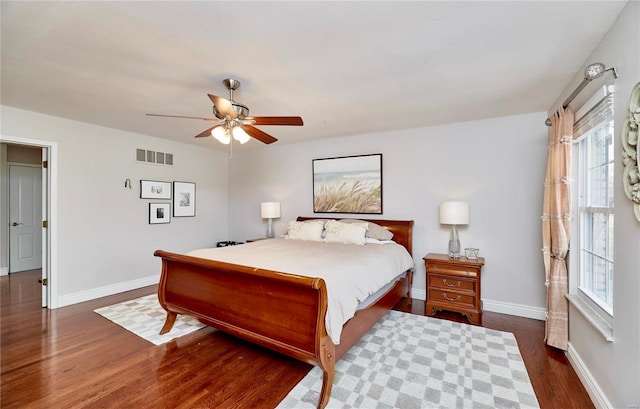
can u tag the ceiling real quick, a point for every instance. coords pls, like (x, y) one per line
(346, 67)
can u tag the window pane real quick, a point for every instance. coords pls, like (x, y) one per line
(596, 200)
(600, 234)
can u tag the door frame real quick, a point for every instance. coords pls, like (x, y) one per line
(50, 202)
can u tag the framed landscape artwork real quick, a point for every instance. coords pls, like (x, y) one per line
(184, 199)
(348, 184)
(152, 189)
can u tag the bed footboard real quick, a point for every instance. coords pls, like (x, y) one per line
(280, 311)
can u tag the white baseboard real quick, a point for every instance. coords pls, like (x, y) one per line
(518, 310)
(92, 294)
(418, 294)
(596, 394)
(487, 305)
(4, 271)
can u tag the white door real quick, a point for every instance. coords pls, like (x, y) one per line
(25, 218)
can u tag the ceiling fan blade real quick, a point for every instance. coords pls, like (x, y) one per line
(276, 120)
(223, 106)
(205, 133)
(258, 134)
(186, 117)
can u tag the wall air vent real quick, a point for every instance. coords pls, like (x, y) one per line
(158, 158)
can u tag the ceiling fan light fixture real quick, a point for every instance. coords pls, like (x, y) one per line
(240, 135)
(240, 109)
(221, 134)
(230, 117)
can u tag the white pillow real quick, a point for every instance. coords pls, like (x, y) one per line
(309, 230)
(352, 233)
(369, 240)
(374, 231)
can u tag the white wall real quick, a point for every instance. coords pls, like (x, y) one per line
(104, 239)
(497, 165)
(611, 370)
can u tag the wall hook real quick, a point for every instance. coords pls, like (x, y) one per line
(127, 183)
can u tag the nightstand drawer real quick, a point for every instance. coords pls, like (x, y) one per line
(452, 298)
(460, 271)
(452, 283)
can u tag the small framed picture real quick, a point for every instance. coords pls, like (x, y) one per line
(184, 199)
(471, 253)
(152, 189)
(159, 213)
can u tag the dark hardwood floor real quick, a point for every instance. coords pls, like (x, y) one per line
(74, 358)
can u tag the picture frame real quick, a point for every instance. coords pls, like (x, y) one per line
(471, 253)
(348, 184)
(184, 199)
(153, 189)
(159, 213)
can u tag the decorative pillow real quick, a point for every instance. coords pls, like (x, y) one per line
(374, 231)
(349, 233)
(323, 221)
(309, 230)
(369, 240)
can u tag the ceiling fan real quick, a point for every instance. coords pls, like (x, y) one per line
(232, 119)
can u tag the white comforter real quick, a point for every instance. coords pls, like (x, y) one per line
(351, 272)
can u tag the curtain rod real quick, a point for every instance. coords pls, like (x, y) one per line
(593, 71)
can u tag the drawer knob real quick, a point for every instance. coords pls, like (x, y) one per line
(448, 284)
(451, 299)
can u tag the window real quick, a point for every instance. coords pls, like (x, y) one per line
(594, 135)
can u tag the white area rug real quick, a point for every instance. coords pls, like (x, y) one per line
(145, 317)
(405, 361)
(410, 361)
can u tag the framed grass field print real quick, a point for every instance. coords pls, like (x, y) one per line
(348, 184)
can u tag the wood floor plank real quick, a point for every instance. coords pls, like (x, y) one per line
(74, 358)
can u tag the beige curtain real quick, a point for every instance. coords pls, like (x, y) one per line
(556, 222)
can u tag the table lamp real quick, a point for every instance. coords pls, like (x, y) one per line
(270, 210)
(454, 213)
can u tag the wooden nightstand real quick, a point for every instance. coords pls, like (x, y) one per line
(454, 285)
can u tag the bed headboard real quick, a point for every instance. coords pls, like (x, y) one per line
(402, 229)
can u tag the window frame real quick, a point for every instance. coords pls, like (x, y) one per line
(596, 309)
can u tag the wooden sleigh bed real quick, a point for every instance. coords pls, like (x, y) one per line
(281, 311)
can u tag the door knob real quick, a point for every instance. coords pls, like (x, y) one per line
(16, 224)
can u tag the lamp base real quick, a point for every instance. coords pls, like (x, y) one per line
(454, 243)
(270, 233)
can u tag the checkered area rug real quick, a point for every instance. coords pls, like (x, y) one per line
(145, 317)
(409, 361)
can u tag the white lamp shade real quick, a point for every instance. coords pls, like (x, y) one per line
(454, 213)
(221, 134)
(270, 210)
(240, 135)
